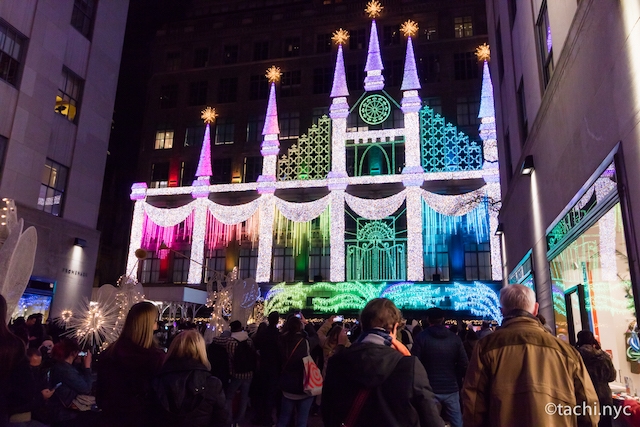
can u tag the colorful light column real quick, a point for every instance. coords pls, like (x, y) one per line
(374, 79)
(138, 194)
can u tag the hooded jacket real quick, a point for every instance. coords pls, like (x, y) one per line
(443, 357)
(518, 372)
(186, 394)
(600, 370)
(400, 394)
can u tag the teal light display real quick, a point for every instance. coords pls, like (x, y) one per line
(374, 109)
(311, 157)
(475, 223)
(444, 149)
(369, 158)
(477, 298)
(377, 253)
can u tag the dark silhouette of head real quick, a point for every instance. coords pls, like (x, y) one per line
(235, 326)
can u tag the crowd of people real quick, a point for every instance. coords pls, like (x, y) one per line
(380, 371)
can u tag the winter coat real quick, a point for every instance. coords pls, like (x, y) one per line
(600, 370)
(185, 393)
(442, 355)
(292, 374)
(124, 378)
(230, 344)
(518, 370)
(74, 381)
(266, 343)
(327, 348)
(400, 394)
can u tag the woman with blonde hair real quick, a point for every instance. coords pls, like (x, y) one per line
(184, 392)
(126, 368)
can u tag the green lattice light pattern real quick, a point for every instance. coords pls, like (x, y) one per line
(444, 149)
(311, 157)
(377, 253)
(374, 109)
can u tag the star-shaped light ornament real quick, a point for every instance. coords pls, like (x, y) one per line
(409, 28)
(483, 52)
(373, 9)
(209, 116)
(273, 74)
(340, 36)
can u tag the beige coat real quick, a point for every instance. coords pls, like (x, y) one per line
(520, 373)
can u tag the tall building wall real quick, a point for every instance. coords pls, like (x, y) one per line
(56, 119)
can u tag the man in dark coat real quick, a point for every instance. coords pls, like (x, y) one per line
(443, 356)
(266, 343)
(373, 383)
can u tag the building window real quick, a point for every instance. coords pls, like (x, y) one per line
(11, 45)
(187, 174)
(322, 80)
(467, 108)
(172, 61)
(221, 171)
(260, 51)
(355, 76)
(164, 138)
(215, 260)
(68, 97)
(545, 45)
(522, 112)
(150, 268)
(436, 265)
(198, 93)
(289, 125)
(224, 131)
(194, 135)
(435, 103)
(258, 87)
(82, 16)
(357, 39)
(247, 263)
(159, 175)
(169, 96)
(391, 35)
(291, 47)
(319, 268)
(395, 72)
(181, 266)
(430, 65)
(431, 30)
(323, 43)
(283, 265)
(54, 183)
(228, 89)
(290, 83)
(463, 26)
(465, 66)
(3, 152)
(252, 168)
(317, 113)
(254, 128)
(201, 57)
(230, 54)
(477, 261)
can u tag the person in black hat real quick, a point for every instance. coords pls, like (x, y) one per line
(442, 353)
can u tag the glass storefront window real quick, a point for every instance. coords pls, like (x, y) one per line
(591, 288)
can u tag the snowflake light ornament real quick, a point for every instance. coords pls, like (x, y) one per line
(340, 36)
(209, 115)
(409, 28)
(273, 74)
(373, 9)
(483, 52)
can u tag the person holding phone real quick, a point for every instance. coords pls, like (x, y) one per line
(332, 335)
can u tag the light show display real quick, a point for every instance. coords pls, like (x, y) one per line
(430, 241)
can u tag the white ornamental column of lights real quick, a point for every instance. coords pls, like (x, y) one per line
(138, 194)
(266, 182)
(412, 171)
(490, 167)
(339, 111)
(201, 194)
(374, 79)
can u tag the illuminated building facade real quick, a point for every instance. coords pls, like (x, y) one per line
(381, 196)
(59, 62)
(566, 80)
